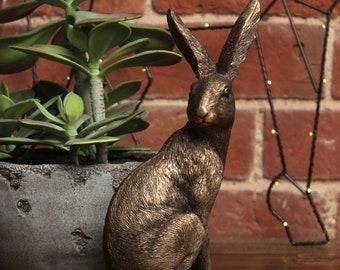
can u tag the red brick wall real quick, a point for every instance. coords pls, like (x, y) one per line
(253, 159)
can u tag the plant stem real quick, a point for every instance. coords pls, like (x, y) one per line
(92, 92)
(98, 114)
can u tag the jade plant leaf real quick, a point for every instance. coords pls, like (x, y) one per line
(8, 126)
(131, 47)
(147, 58)
(18, 11)
(5, 103)
(99, 124)
(48, 115)
(121, 108)
(130, 126)
(56, 53)
(112, 126)
(123, 91)
(51, 128)
(77, 37)
(104, 37)
(79, 142)
(13, 61)
(87, 17)
(73, 107)
(16, 110)
(29, 141)
(57, 3)
(160, 39)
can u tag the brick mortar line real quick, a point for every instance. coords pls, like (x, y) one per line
(259, 105)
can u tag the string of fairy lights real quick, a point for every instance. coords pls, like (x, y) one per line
(305, 191)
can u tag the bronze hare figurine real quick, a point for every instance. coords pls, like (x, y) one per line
(158, 219)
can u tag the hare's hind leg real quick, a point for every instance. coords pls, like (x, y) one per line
(180, 242)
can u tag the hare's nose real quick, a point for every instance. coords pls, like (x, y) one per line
(202, 111)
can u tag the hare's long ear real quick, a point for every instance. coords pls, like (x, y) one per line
(239, 40)
(192, 50)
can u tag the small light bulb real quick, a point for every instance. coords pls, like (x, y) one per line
(269, 82)
(274, 131)
(311, 134)
(285, 224)
(309, 190)
(206, 25)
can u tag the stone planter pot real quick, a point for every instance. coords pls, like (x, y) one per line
(52, 216)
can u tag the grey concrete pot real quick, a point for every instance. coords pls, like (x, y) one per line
(52, 216)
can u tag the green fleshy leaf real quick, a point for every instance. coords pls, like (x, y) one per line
(7, 127)
(81, 120)
(4, 89)
(77, 37)
(45, 126)
(28, 141)
(49, 116)
(128, 48)
(5, 155)
(75, 3)
(73, 107)
(57, 3)
(13, 61)
(17, 11)
(55, 53)
(123, 91)
(22, 95)
(86, 17)
(5, 103)
(111, 126)
(130, 126)
(121, 108)
(80, 142)
(147, 58)
(104, 37)
(99, 124)
(20, 108)
(160, 39)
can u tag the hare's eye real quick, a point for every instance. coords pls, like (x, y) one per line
(225, 95)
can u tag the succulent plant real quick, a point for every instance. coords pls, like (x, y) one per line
(93, 45)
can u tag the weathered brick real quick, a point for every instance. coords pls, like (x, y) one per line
(294, 128)
(245, 214)
(117, 6)
(336, 68)
(236, 7)
(241, 148)
(284, 64)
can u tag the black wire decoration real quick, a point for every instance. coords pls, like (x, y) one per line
(318, 88)
(306, 192)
